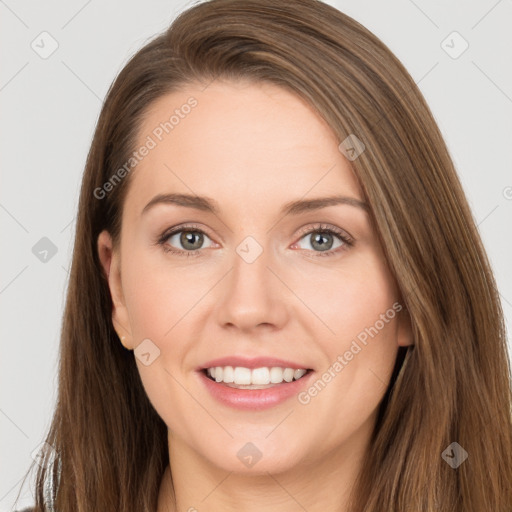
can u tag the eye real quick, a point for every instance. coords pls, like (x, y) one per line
(322, 238)
(188, 239)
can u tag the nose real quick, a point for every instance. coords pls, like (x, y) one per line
(252, 294)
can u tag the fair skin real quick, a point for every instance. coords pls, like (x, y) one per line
(252, 148)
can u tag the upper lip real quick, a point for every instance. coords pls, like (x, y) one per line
(252, 362)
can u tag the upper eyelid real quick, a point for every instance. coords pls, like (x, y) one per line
(322, 226)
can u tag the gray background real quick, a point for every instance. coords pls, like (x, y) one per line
(50, 107)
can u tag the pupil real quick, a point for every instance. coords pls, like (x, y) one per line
(187, 237)
(322, 245)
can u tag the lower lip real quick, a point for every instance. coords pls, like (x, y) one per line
(254, 399)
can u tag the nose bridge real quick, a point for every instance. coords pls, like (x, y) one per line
(251, 262)
(251, 295)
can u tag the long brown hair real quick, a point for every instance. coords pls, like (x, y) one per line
(454, 383)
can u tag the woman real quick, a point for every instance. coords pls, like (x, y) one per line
(331, 338)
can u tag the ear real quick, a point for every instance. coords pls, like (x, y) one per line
(110, 261)
(404, 333)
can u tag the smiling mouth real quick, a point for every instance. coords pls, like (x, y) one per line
(289, 377)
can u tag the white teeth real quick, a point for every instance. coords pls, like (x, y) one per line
(260, 376)
(276, 375)
(257, 376)
(229, 374)
(242, 375)
(297, 374)
(288, 374)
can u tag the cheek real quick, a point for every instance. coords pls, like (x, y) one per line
(157, 294)
(158, 297)
(352, 298)
(349, 389)
(359, 305)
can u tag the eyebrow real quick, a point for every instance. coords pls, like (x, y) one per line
(297, 207)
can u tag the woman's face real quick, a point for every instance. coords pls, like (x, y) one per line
(251, 279)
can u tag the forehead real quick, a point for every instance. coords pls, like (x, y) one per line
(237, 141)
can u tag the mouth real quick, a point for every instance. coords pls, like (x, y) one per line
(254, 383)
(254, 389)
(256, 378)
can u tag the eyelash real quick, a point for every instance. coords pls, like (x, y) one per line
(318, 228)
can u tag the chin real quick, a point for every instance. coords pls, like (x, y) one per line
(257, 457)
